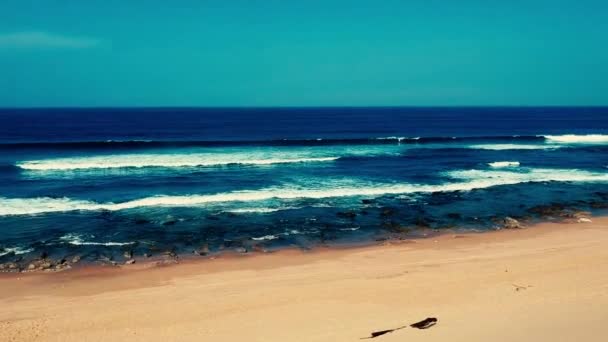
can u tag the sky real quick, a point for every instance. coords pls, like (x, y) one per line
(94, 53)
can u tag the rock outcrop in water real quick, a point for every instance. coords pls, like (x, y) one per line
(203, 250)
(511, 223)
(347, 214)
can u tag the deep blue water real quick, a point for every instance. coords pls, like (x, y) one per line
(101, 181)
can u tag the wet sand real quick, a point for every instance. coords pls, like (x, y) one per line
(544, 283)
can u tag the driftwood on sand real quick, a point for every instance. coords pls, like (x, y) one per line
(424, 324)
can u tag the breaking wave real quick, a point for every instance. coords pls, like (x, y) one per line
(77, 240)
(502, 164)
(462, 180)
(499, 147)
(578, 139)
(158, 160)
(14, 250)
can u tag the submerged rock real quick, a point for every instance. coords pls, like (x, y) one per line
(387, 212)
(598, 205)
(551, 210)
(580, 214)
(511, 223)
(204, 250)
(454, 216)
(240, 250)
(422, 222)
(75, 259)
(130, 262)
(128, 254)
(347, 214)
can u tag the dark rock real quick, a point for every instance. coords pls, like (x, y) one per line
(551, 210)
(599, 205)
(387, 212)
(259, 249)
(204, 250)
(367, 201)
(454, 216)
(142, 221)
(511, 223)
(394, 227)
(169, 223)
(107, 260)
(422, 222)
(212, 218)
(347, 214)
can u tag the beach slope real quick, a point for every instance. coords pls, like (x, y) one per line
(545, 283)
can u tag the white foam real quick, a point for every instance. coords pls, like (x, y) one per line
(465, 180)
(265, 238)
(159, 160)
(578, 139)
(16, 250)
(262, 210)
(206, 157)
(500, 147)
(480, 177)
(502, 164)
(399, 139)
(77, 240)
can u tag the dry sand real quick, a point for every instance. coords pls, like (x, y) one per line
(467, 281)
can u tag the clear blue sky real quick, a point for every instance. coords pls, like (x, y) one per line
(303, 53)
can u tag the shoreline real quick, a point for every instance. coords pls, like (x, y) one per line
(549, 277)
(164, 261)
(226, 258)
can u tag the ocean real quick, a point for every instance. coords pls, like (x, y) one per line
(97, 183)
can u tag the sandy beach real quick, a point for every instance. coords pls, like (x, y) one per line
(545, 283)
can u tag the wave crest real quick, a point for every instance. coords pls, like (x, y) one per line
(578, 139)
(77, 240)
(157, 160)
(502, 164)
(462, 180)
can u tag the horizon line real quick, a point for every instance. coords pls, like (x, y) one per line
(300, 107)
